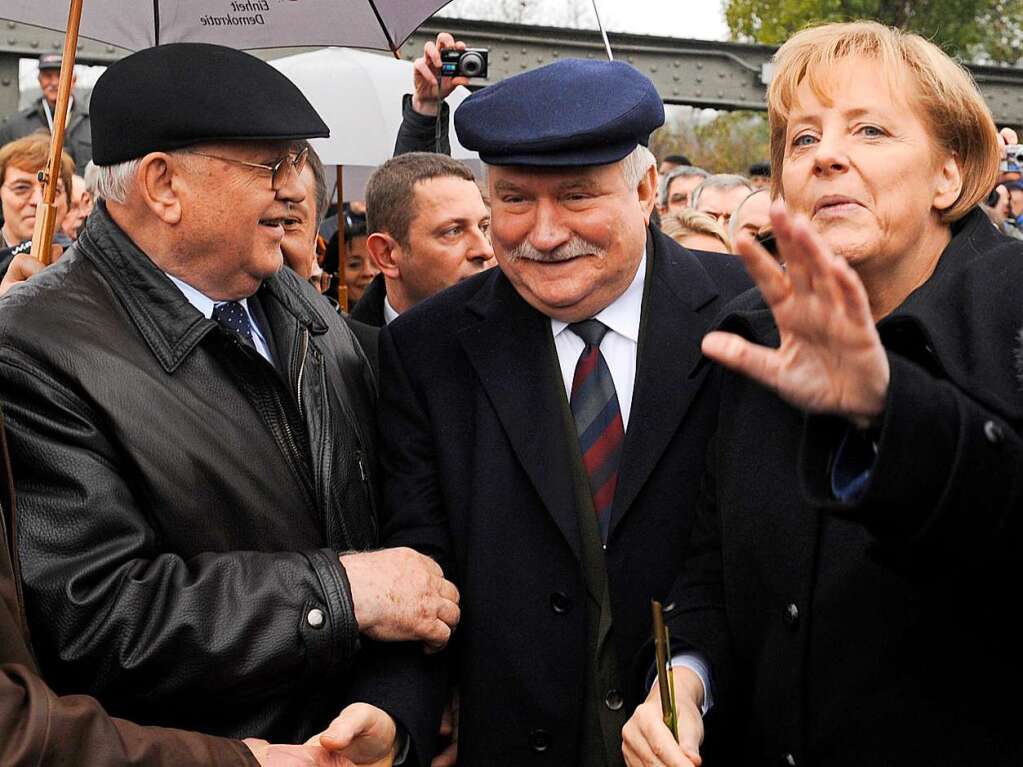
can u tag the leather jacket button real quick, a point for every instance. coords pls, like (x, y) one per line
(539, 740)
(561, 603)
(315, 617)
(614, 700)
(791, 615)
(994, 433)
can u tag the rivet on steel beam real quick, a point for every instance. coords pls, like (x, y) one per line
(11, 25)
(555, 54)
(677, 64)
(653, 68)
(699, 65)
(676, 78)
(523, 51)
(522, 65)
(12, 40)
(110, 49)
(34, 44)
(699, 92)
(674, 91)
(539, 59)
(5, 82)
(56, 45)
(632, 59)
(505, 57)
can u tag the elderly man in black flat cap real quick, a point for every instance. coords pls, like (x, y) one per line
(544, 424)
(192, 429)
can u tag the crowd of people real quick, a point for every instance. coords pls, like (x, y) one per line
(263, 504)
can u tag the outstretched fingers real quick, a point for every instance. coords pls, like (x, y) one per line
(736, 353)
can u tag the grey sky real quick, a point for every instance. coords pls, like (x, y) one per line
(674, 18)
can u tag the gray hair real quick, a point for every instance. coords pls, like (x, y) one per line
(674, 173)
(114, 182)
(719, 181)
(91, 176)
(733, 226)
(636, 164)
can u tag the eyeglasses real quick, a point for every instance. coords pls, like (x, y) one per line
(278, 171)
(25, 189)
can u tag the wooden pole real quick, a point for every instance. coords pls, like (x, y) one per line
(342, 288)
(46, 213)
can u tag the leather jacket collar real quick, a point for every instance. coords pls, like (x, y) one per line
(170, 325)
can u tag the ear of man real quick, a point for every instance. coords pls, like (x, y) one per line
(646, 190)
(160, 184)
(387, 254)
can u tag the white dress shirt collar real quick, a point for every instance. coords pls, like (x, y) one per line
(390, 315)
(205, 305)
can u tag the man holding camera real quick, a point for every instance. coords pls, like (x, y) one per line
(427, 219)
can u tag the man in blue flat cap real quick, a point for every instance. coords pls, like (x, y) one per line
(544, 424)
(193, 435)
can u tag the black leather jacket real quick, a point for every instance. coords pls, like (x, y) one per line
(182, 501)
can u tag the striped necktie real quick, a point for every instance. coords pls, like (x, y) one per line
(598, 420)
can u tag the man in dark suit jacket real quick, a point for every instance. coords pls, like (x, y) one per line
(554, 473)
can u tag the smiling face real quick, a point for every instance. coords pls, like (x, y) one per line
(20, 195)
(569, 239)
(862, 165)
(232, 221)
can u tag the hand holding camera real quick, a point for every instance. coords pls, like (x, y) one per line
(444, 65)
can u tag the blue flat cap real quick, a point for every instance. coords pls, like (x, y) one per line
(569, 113)
(173, 96)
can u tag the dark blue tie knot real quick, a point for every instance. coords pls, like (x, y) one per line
(232, 316)
(591, 331)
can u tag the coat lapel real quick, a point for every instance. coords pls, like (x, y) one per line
(511, 348)
(678, 305)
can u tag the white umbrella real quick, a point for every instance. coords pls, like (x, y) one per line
(358, 95)
(243, 24)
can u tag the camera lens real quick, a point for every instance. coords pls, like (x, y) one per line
(472, 64)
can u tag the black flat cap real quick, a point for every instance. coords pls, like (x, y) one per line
(570, 113)
(177, 95)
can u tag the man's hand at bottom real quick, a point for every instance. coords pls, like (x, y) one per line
(364, 734)
(361, 736)
(647, 741)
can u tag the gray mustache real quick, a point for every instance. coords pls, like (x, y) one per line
(575, 247)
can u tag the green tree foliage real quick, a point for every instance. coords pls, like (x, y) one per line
(981, 31)
(729, 143)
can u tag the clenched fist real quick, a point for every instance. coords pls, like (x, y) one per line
(400, 596)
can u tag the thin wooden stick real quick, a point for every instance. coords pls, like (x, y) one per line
(46, 213)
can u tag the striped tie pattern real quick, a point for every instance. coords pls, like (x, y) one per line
(598, 420)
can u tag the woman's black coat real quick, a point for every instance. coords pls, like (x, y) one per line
(880, 631)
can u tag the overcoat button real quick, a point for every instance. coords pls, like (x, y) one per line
(994, 433)
(539, 740)
(315, 618)
(561, 603)
(791, 615)
(614, 700)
